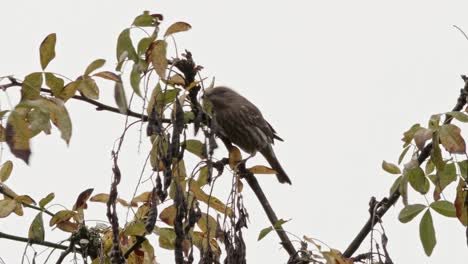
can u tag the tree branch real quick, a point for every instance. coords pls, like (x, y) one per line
(27, 240)
(393, 198)
(99, 106)
(255, 186)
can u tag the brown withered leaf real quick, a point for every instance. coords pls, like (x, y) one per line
(451, 139)
(108, 76)
(18, 134)
(168, 215)
(158, 57)
(177, 27)
(68, 226)
(460, 206)
(82, 199)
(421, 136)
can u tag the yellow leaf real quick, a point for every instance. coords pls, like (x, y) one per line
(5, 171)
(25, 199)
(62, 216)
(211, 201)
(260, 169)
(7, 206)
(234, 157)
(47, 49)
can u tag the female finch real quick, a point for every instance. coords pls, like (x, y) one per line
(240, 121)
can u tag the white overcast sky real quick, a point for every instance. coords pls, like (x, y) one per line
(339, 80)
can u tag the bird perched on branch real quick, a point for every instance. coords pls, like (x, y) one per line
(240, 122)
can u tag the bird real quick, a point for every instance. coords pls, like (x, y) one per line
(241, 122)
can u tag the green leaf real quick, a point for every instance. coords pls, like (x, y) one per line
(409, 135)
(120, 98)
(403, 154)
(445, 208)
(89, 88)
(94, 66)
(36, 230)
(39, 121)
(202, 179)
(47, 50)
(443, 178)
(167, 237)
(395, 185)
(463, 165)
(429, 168)
(427, 233)
(5, 171)
(410, 211)
(58, 114)
(451, 139)
(18, 134)
(177, 27)
(7, 207)
(135, 229)
(31, 86)
(418, 180)
(195, 147)
(68, 91)
(144, 20)
(188, 117)
(135, 79)
(44, 201)
(125, 48)
(264, 232)
(279, 223)
(434, 122)
(208, 225)
(144, 44)
(460, 116)
(158, 58)
(55, 83)
(390, 168)
(436, 154)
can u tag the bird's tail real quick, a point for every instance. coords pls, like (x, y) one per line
(269, 155)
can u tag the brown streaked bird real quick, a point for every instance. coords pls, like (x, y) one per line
(240, 122)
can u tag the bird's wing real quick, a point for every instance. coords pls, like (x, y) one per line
(252, 116)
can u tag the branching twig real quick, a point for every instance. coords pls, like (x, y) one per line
(390, 201)
(2, 191)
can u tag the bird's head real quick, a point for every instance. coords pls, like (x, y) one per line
(218, 96)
